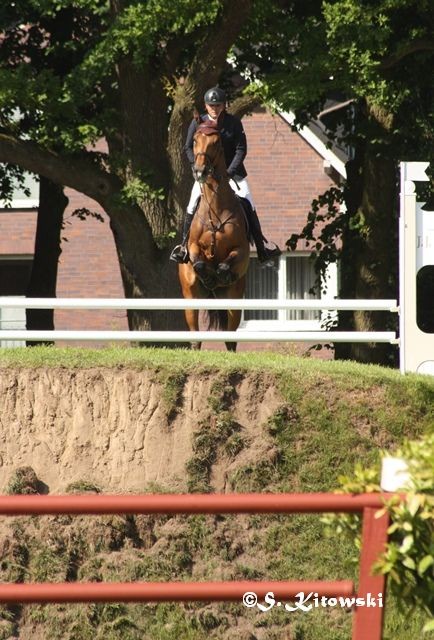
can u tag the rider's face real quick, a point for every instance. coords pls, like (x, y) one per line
(214, 110)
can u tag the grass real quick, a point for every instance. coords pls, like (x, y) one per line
(332, 415)
(186, 360)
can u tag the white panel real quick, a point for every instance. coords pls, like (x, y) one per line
(424, 237)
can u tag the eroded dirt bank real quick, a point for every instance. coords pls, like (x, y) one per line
(122, 429)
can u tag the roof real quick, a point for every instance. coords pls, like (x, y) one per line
(315, 135)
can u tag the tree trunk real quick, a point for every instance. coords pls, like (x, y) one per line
(145, 268)
(370, 252)
(43, 278)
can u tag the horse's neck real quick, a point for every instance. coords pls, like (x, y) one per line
(218, 195)
(218, 191)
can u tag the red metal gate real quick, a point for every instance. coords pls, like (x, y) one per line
(368, 620)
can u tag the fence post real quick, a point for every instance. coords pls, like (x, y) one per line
(368, 620)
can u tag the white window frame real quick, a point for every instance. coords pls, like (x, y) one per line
(21, 203)
(329, 291)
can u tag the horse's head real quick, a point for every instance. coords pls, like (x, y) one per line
(207, 151)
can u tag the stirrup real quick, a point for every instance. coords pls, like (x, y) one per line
(179, 254)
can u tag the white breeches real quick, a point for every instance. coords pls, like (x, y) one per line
(241, 190)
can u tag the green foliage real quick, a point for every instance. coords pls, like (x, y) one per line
(409, 556)
(173, 388)
(82, 486)
(23, 481)
(323, 229)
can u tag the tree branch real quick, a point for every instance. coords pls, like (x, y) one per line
(77, 173)
(243, 105)
(211, 54)
(412, 47)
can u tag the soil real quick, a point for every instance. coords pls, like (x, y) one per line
(114, 428)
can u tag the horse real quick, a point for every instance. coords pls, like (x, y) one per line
(218, 244)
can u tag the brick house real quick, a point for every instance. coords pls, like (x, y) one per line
(286, 170)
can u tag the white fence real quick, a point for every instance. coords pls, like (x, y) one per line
(173, 304)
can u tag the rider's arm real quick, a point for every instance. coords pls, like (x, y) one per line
(188, 147)
(240, 148)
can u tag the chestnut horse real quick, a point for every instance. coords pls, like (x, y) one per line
(218, 245)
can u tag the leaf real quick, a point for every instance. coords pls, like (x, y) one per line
(409, 563)
(424, 564)
(429, 626)
(414, 505)
(407, 543)
(393, 527)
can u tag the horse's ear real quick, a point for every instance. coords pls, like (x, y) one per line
(196, 116)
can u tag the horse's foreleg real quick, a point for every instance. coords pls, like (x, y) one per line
(192, 320)
(235, 291)
(227, 270)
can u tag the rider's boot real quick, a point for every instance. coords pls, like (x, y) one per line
(180, 253)
(264, 253)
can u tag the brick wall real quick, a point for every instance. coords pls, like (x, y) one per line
(88, 268)
(17, 232)
(285, 173)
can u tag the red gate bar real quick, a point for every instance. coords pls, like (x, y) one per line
(164, 592)
(190, 503)
(368, 621)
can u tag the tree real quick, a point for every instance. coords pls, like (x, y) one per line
(376, 54)
(129, 73)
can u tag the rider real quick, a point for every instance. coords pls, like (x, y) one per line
(235, 149)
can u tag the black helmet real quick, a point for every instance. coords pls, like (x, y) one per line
(215, 95)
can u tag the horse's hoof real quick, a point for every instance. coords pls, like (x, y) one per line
(224, 274)
(209, 283)
(199, 267)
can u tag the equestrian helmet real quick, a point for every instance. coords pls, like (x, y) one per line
(215, 95)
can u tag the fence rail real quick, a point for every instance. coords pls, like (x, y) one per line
(167, 592)
(202, 336)
(190, 503)
(173, 304)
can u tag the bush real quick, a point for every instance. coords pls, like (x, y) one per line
(409, 557)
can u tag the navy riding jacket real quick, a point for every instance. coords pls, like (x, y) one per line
(233, 139)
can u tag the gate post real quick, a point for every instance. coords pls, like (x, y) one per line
(416, 262)
(368, 620)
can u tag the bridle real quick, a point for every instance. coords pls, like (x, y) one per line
(210, 172)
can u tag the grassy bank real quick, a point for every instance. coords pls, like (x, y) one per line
(332, 415)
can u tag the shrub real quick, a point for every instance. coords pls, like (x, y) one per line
(409, 557)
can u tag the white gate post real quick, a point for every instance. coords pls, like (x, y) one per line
(416, 250)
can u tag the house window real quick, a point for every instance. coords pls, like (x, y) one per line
(262, 282)
(14, 278)
(19, 199)
(292, 277)
(300, 283)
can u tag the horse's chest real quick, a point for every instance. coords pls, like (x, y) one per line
(215, 245)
